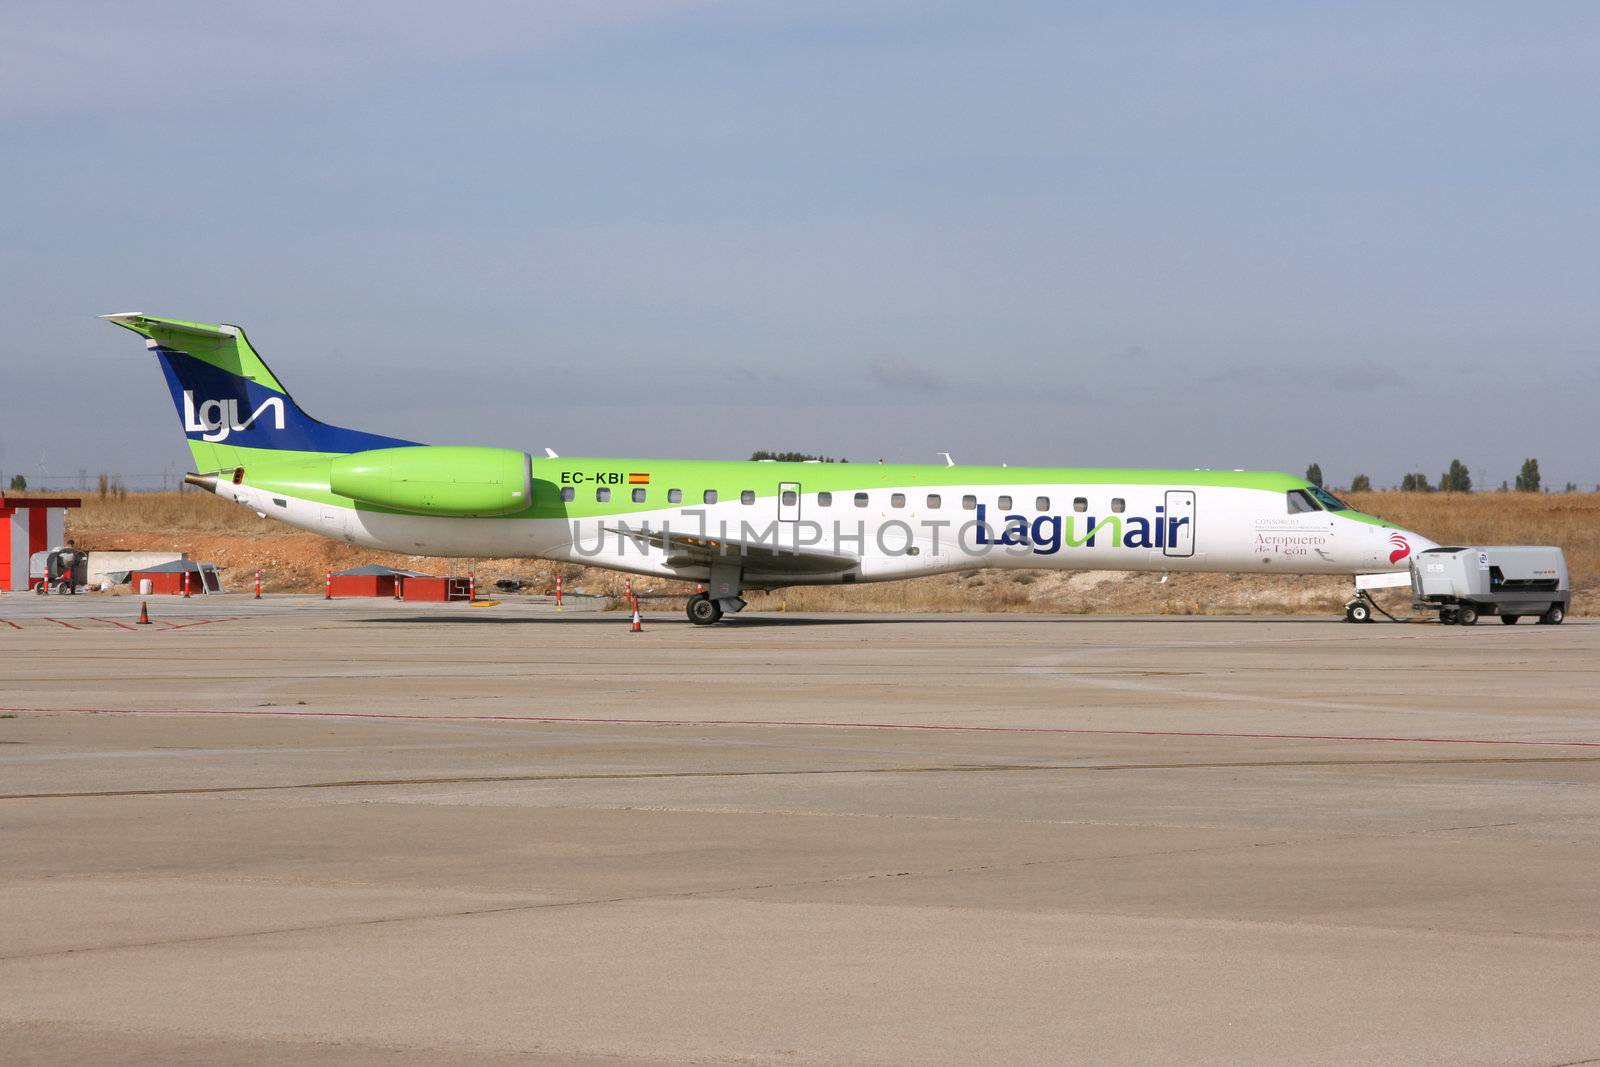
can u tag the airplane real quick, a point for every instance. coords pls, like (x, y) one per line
(739, 526)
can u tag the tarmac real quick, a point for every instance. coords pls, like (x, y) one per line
(441, 834)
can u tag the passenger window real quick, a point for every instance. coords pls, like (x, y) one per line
(747, 497)
(1118, 505)
(1080, 503)
(790, 498)
(824, 500)
(638, 496)
(602, 495)
(674, 496)
(897, 500)
(861, 500)
(567, 494)
(933, 500)
(1300, 502)
(1004, 503)
(710, 496)
(969, 502)
(1041, 503)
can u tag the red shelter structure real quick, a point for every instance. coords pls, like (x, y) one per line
(28, 525)
(428, 587)
(368, 581)
(168, 578)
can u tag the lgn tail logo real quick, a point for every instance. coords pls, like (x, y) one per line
(214, 420)
(1399, 548)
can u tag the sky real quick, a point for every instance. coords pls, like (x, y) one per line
(1187, 234)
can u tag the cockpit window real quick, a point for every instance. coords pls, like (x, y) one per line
(1328, 500)
(1300, 502)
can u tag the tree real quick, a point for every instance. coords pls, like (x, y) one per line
(1314, 475)
(19, 483)
(1528, 479)
(791, 457)
(1456, 479)
(1361, 484)
(1415, 483)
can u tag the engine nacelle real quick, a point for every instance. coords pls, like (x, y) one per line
(437, 479)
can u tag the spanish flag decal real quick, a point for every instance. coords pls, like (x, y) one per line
(638, 479)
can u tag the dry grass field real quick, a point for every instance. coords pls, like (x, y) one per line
(232, 537)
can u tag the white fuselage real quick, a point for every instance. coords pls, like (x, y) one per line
(896, 534)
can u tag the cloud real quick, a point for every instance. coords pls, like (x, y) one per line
(98, 56)
(906, 376)
(1358, 377)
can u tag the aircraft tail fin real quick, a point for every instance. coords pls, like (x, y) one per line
(229, 402)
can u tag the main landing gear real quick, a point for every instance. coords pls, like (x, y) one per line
(703, 611)
(721, 597)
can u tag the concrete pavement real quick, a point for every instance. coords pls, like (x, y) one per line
(360, 830)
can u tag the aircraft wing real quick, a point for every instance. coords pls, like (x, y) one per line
(701, 550)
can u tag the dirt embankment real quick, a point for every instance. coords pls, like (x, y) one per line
(292, 561)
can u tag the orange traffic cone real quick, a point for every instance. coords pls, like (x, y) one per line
(638, 625)
(144, 613)
(186, 585)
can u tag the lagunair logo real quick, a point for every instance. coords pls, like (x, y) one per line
(1046, 534)
(214, 420)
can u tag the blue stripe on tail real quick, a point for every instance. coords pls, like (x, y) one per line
(223, 408)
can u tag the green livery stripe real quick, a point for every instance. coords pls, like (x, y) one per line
(307, 475)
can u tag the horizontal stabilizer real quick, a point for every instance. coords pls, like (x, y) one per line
(139, 322)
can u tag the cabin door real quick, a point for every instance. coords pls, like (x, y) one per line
(1179, 539)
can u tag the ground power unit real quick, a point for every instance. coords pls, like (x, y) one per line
(1505, 580)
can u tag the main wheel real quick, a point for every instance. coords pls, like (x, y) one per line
(1553, 616)
(1510, 620)
(702, 610)
(1358, 612)
(1467, 616)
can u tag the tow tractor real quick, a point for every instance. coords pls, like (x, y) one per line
(1511, 581)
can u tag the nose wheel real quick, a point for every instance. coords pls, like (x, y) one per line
(1358, 611)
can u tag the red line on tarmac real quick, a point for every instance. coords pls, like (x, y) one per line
(202, 622)
(11, 624)
(58, 622)
(607, 721)
(113, 622)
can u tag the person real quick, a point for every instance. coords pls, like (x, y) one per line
(63, 562)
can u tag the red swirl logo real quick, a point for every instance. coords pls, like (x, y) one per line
(1399, 548)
